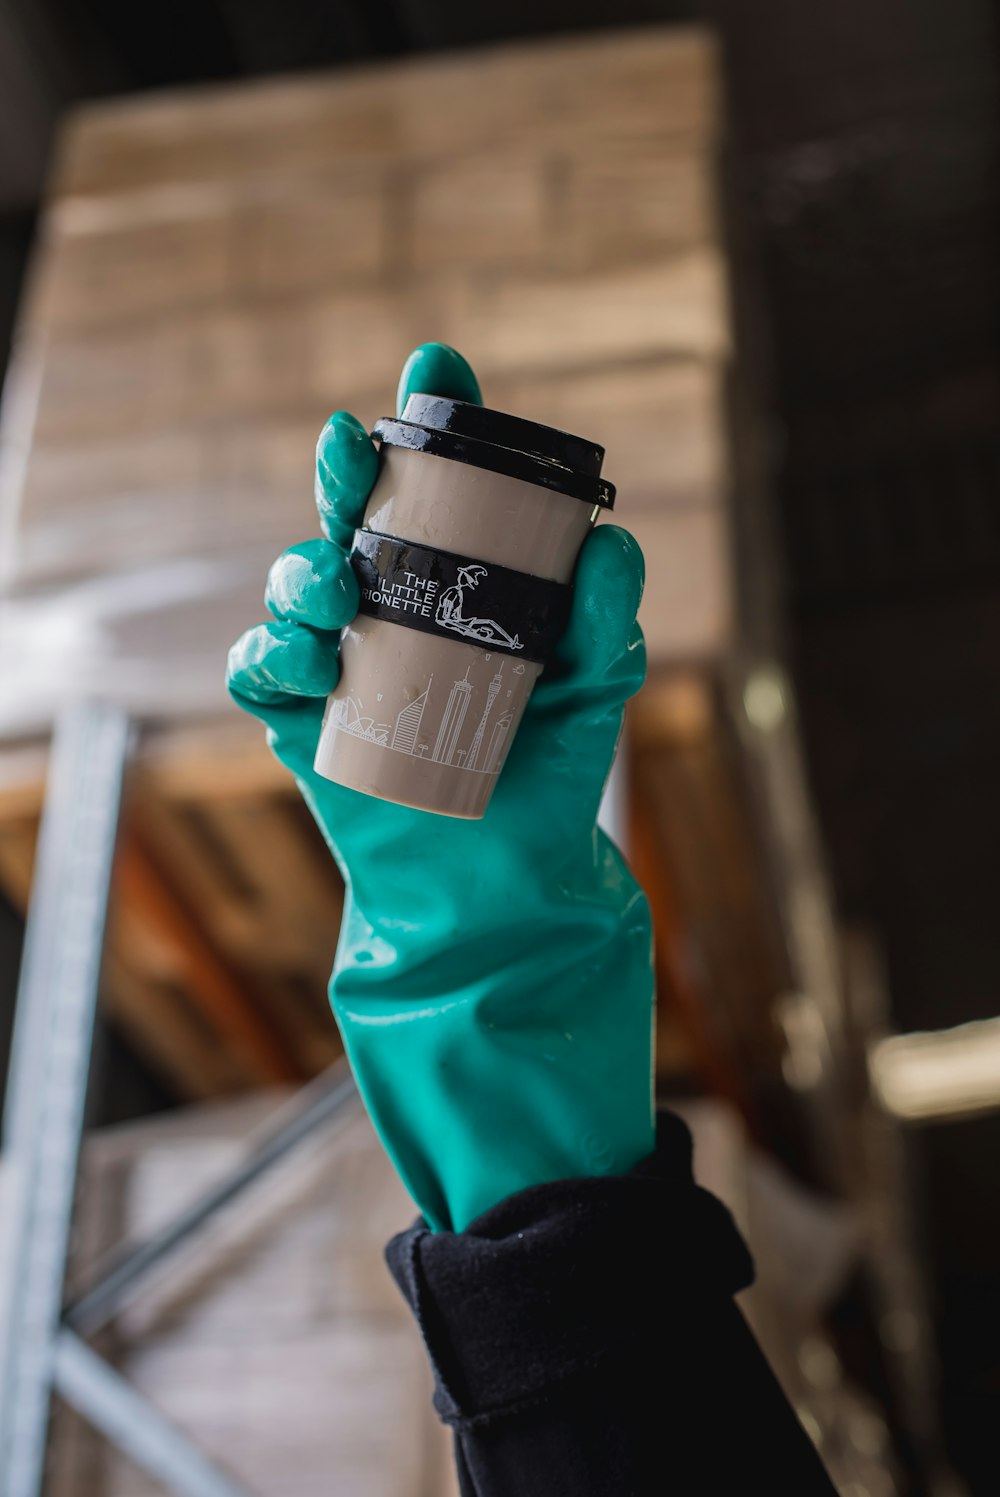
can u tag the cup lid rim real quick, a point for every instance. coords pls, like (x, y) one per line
(502, 443)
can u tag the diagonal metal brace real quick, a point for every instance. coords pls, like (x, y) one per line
(125, 1418)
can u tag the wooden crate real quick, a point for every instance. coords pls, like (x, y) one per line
(275, 1338)
(697, 850)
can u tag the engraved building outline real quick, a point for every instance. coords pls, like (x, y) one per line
(408, 722)
(451, 723)
(472, 760)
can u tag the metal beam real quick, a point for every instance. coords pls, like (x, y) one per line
(123, 1273)
(107, 1402)
(50, 1061)
(43, 1124)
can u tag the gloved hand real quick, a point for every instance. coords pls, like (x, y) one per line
(493, 980)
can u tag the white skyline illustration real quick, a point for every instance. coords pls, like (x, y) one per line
(404, 737)
(347, 715)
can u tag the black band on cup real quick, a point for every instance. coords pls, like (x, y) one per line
(457, 597)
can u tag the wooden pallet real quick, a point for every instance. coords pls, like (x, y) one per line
(225, 911)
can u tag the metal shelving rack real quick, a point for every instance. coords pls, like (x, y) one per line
(43, 1350)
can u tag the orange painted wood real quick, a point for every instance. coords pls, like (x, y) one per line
(221, 996)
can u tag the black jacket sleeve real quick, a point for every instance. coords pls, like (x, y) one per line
(585, 1343)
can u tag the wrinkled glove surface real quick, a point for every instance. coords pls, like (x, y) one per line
(493, 979)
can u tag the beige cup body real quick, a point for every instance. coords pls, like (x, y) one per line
(417, 718)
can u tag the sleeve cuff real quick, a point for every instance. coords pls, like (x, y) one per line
(560, 1278)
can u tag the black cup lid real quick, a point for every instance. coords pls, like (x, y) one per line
(473, 434)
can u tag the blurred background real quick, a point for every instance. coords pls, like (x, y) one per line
(754, 251)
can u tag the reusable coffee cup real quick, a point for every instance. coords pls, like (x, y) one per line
(464, 560)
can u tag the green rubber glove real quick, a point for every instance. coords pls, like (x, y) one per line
(493, 980)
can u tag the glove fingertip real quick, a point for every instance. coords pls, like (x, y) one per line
(277, 660)
(312, 583)
(437, 369)
(609, 580)
(615, 553)
(346, 468)
(602, 633)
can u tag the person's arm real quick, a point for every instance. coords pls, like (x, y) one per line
(585, 1343)
(493, 983)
